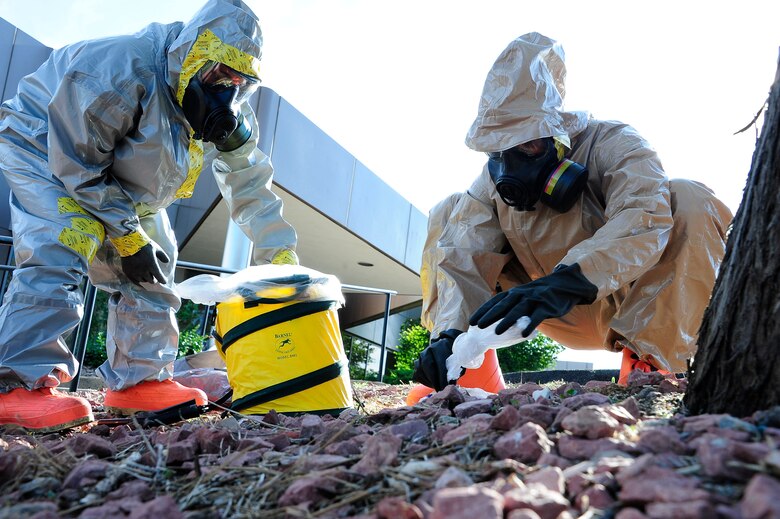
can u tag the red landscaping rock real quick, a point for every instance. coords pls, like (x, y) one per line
(523, 514)
(379, 451)
(467, 409)
(506, 419)
(453, 477)
(136, 489)
(86, 473)
(414, 430)
(549, 477)
(181, 452)
(546, 503)
(575, 448)
(163, 506)
(630, 513)
(449, 397)
(657, 484)
(474, 427)
(397, 508)
(540, 414)
(761, 500)
(524, 444)
(467, 503)
(640, 378)
(591, 422)
(662, 439)
(584, 399)
(84, 444)
(596, 496)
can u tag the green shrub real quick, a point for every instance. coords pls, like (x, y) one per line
(358, 352)
(95, 354)
(534, 355)
(190, 341)
(414, 339)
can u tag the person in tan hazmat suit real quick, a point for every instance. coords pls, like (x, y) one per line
(574, 223)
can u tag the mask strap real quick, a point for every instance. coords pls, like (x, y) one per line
(561, 146)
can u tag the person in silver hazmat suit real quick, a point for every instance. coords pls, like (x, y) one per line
(98, 141)
(576, 223)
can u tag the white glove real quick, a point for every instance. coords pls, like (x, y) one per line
(468, 350)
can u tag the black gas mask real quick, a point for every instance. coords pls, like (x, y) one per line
(523, 180)
(211, 104)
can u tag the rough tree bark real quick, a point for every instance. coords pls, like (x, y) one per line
(737, 366)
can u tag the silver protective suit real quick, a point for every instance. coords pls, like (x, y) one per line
(94, 147)
(652, 246)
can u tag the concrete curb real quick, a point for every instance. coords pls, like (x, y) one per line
(573, 375)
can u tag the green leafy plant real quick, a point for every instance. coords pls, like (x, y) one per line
(358, 352)
(190, 341)
(95, 354)
(534, 355)
(414, 338)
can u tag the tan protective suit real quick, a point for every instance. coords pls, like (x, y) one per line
(651, 246)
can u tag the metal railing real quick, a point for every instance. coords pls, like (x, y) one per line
(79, 347)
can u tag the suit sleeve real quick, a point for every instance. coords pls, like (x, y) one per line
(86, 120)
(244, 178)
(462, 260)
(637, 209)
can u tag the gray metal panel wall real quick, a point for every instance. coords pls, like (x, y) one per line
(378, 214)
(316, 169)
(26, 55)
(20, 54)
(415, 240)
(311, 165)
(7, 33)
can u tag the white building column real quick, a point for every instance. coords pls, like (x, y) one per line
(237, 253)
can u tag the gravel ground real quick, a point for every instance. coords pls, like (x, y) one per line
(560, 450)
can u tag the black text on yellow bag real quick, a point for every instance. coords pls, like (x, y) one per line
(286, 356)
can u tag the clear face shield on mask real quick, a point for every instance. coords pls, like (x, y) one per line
(533, 172)
(211, 104)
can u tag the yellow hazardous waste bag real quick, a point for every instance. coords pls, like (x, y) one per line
(284, 352)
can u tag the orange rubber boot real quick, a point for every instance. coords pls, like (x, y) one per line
(43, 410)
(488, 377)
(417, 393)
(631, 361)
(152, 395)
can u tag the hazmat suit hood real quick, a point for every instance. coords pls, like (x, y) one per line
(223, 30)
(522, 99)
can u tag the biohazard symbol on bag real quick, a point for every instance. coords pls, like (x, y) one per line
(284, 342)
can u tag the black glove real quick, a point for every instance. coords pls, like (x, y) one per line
(553, 295)
(430, 368)
(142, 266)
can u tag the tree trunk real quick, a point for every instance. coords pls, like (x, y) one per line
(737, 366)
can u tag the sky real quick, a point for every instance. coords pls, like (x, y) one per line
(397, 82)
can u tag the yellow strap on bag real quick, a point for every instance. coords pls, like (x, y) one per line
(288, 357)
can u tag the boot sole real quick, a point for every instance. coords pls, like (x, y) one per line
(52, 428)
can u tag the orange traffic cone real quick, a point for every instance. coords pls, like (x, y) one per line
(488, 377)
